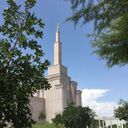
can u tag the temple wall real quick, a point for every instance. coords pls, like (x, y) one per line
(56, 69)
(78, 98)
(54, 99)
(73, 91)
(37, 107)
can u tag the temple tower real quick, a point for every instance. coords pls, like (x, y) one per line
(57, 98)
(57, 48)
(63, 90)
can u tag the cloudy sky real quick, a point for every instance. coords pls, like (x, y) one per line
(102, 87)
(90, 98)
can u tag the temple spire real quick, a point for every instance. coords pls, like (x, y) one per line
(57, 47)
(58, 27)
(58, 33)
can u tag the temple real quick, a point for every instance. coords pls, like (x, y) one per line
(63, 89)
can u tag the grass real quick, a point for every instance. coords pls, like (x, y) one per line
(47, 125)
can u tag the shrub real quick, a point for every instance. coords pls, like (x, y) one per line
(47, 125)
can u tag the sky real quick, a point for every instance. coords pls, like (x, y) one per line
(101, 87)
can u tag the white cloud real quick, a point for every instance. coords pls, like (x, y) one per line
(90, 98)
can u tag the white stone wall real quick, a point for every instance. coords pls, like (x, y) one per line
(57, 69)
(54, 98)
(37, 107)
(78, 98)
(39, 93)
(73, 91)
(58, 97)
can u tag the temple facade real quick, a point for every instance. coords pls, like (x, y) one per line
(63, 89)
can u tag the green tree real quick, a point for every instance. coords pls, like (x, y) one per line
(21, 65)
(122, 111)
(113, 45)
(75, 117)
(110, 18)
(95, 124)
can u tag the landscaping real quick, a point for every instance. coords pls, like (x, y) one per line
(47, 125)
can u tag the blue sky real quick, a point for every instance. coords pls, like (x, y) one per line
(83, 66)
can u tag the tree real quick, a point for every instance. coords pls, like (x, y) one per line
(75, 117)
(122, 111)
(21, 66)
(110, 18)
(113, 45)
(95, 124)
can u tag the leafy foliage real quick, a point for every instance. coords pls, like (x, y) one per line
(113, 45)
(95, 124)
(41, 116)
(47, 125)
(110, 18)
(122, 111)
(21, 67)
(75, 117)
(101, 12)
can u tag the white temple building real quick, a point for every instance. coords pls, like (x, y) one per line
(63, 89)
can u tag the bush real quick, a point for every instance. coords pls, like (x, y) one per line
(47, 125)
(75, 117)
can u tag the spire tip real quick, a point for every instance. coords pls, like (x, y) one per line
(58, 27)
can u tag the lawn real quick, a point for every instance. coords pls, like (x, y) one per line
(47, 125)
